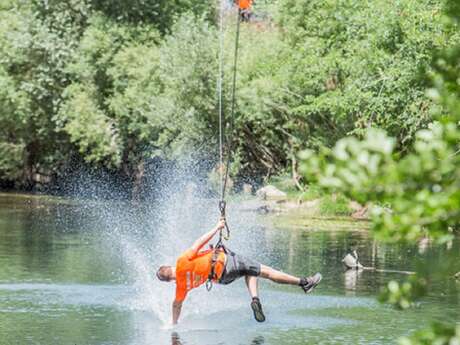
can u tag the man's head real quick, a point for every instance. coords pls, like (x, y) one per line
(165, 273)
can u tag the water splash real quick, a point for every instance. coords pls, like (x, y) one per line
(143, 236)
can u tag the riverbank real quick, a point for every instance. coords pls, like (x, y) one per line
(311, 215)
(306, 210)
(289, 206)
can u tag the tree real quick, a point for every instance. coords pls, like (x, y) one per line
(420, 188)
(355, 65)
(34, 52)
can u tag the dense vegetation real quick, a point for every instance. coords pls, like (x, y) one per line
(421, 187)
(85, 82)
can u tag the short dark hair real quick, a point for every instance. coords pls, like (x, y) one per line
(161, 273)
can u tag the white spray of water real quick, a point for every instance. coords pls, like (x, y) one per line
(145, 236)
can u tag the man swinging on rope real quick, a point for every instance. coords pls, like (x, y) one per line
(222, 266)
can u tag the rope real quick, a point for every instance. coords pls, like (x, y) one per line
(232, 109)
(224, 179)
(219, 88)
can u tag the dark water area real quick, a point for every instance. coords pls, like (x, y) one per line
(75, 272)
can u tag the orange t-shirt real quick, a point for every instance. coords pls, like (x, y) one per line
(244, 4)
(193, 271)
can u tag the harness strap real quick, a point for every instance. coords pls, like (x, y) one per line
(214, 258)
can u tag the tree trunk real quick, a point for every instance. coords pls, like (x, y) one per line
(138, 179)
(30, 154)
(295, 174)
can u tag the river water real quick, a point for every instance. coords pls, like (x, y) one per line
(83, 273)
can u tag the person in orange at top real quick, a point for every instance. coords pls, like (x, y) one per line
(194, 267)
(244, 4)
(244, 7)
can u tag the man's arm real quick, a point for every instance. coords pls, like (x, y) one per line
(176, 309)
(199, 243)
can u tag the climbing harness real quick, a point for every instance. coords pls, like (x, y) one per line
(219, 246)
(214, 258)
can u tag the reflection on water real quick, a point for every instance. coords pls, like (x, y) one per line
(175, 339)
(259, 340)
(351, 279)
(79, 274)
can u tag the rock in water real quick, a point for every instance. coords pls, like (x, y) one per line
(247, 189)
(270, 192)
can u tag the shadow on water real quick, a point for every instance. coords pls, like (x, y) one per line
(176, 340)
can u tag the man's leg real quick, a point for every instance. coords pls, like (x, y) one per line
(307, 283)
(251, 283)
(278, 276)
(239, 266)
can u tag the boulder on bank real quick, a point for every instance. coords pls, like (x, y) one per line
(270, 192)
(257, 206)
(247, 189)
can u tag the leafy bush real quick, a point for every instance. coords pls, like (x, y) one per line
(143, 77)
(421, 187)
(403, 295)
(438, 333)
(356, 65)
(335, 205)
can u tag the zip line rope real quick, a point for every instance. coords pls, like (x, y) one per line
(229, 139)
(219, 90)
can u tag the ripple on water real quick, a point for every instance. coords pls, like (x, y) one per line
(212, 315)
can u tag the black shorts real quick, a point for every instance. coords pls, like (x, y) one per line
(238, 266)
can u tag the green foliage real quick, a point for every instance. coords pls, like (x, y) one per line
(438, 334)
(117, 83)
(186, 105)
(311, 192)
(89, 128)
(356, 65)
(421, 187)
(10, 161)
(34, 52)
(160, 13)
(334, 205)
(265, 135)
(82, 76)
(403, 295)
(12, 127)
(283, 182)
(105, 109)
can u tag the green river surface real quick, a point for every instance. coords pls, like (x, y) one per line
(84, 273)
